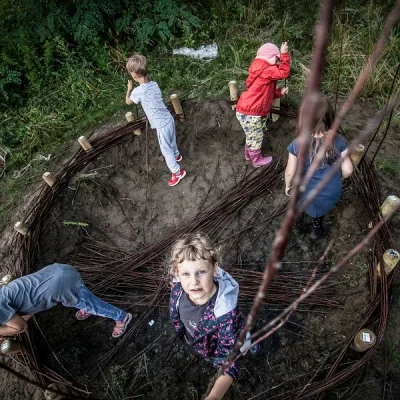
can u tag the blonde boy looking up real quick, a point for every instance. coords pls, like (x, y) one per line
(148, 94)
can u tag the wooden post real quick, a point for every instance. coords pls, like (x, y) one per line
(357, 155)
(233, 92)
(48, 178)
(130, 118)
(390, 203)
(6, 279)
(364, 340)
(177, 106)
(21, 228)
(390, 259)
(57, 387)
(85, 143)
(11, 346)
(277, 104)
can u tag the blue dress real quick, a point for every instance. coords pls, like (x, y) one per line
(330, 194)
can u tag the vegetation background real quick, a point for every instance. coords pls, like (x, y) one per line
(62, 62)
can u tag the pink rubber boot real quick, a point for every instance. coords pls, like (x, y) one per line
(246, 153)
(258, 160)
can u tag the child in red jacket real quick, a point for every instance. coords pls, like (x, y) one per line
(254, 105)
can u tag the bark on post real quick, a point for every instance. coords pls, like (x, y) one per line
(48, 178)
(85, 143)
(21, 228)
(357, 155)
(233, 92)
(177, 106)
(130, 118)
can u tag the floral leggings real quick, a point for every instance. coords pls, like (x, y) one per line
(253, 127)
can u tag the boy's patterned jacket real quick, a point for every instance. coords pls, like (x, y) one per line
(220, 325)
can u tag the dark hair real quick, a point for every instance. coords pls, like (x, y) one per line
(321, 123)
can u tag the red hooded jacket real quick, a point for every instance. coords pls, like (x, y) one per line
(261, 86)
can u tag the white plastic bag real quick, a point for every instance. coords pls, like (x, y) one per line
(203, 52)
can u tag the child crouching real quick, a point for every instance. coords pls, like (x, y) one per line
(203, 305)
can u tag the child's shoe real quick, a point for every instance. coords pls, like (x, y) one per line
(246, 153)
(178, 158)
(82, 315)
(258, 160)
(255, 349)
(120, 326)
(176, 178)
(318, 232)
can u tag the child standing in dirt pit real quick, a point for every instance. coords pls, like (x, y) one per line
(254, 105)
(203, 306)
(325, 200)
(149, 95)
(44, 289)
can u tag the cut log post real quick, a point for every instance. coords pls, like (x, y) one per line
(21, 228)
(63, 392)
(131, 118)
(390, 259)
(389, 205)
(85, 143)
(233, 92)
(357, 154)
(277, 104)
(11, 346)
(177, 106)
(364, 340)
(48, 178)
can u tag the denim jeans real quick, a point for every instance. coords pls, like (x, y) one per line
(88, 302)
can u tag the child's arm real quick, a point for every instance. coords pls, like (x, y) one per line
(14, 326)
(128, 92)
(347, 165)
(221, 386)
(281, 71)
(289, 173)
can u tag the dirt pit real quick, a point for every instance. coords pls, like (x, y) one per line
(122, 200)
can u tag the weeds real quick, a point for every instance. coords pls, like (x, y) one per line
(388, 166)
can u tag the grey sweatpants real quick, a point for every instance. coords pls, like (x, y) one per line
(167, 141)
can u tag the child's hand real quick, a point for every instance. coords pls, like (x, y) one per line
(288, 189)
(284, 47)
(284, 91)
(130, 85)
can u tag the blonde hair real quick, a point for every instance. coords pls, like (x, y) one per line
(137, 64)
(192, 247)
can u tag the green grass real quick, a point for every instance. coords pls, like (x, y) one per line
(85, 93)
(388, 166)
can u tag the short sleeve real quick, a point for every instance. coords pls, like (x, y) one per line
(293, 148)
(341, 144)
(136, 95)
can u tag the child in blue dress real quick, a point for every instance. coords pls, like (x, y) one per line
(325, 200)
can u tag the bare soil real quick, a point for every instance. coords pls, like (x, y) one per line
(124, 199)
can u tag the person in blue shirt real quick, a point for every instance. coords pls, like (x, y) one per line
(330, 194)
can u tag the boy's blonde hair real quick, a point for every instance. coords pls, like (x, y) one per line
(192, 247)
(137, 64)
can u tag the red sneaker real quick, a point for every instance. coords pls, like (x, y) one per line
(176, 178)
(179, 157)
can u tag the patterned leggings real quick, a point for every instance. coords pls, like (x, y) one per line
(253, 128)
